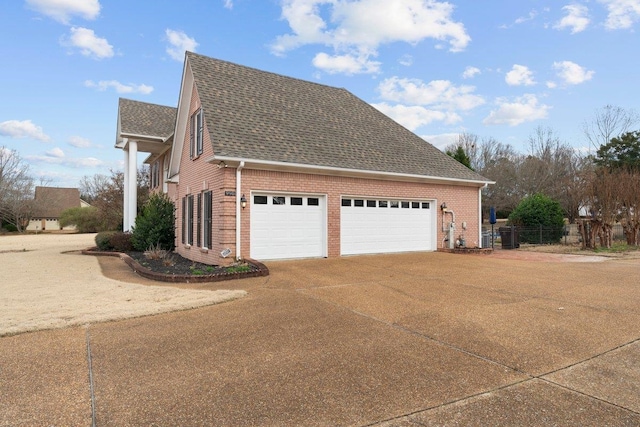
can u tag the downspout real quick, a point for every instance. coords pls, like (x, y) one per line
(480, 213)
(238, 208)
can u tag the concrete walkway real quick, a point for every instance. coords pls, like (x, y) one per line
(394, 340)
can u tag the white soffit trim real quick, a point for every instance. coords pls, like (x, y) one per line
(182, 118)
(298, 167)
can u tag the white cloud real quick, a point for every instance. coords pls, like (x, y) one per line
(79, 142)
(523, 109)
(406, 60)
(362, 26)
(88, 43)
(576, 18)
(56, 152)
(572, 73)
(53, 159)
(622, 13)
(103, 85)
(441, 94)
(470, 72)
(519, 75)
(23, 129)
(63, 10)
(228, 4)
(346, 64)
(413, 117)
(442, 140)
(179, 43)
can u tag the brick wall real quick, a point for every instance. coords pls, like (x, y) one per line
(196, 176)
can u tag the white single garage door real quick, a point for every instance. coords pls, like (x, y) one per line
(369, 226)
(287, 226)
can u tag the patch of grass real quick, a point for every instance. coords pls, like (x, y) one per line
(238, 268)
(616, 248)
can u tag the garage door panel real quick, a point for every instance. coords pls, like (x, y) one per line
(287, 226)
(385, 227)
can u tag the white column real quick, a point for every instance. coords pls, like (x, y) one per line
(125, 201)
(132, 184)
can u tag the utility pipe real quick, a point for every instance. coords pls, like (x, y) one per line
(239, 208)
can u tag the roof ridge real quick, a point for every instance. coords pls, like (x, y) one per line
(146, 102)
(209, 58)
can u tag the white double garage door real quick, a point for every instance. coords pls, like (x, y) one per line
(286, 226)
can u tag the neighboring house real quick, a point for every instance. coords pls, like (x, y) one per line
(267, 167)
(50, 202)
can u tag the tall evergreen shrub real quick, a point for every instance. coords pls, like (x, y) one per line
(155, 226)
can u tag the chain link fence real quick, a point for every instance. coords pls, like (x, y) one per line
(511, 237)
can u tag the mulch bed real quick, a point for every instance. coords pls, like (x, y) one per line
(183, 270)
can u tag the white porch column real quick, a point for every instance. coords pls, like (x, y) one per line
(132, 205)
(125, 202)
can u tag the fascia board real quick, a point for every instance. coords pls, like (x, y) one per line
(327, 170)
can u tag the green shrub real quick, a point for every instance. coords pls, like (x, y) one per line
(103, 240)
(121, 242)
(9, 227)
(535, 211)
(155, 226)
(86, 219)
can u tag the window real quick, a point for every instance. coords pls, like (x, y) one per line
(296, 201)
(313, 201)
(190, 220)
(199, 221)
(415, 205)
(279, 200)
(371, 203)
(425, 205)
(207, 214)
(358, 203)
(259, 200)
(155, 174)
(196, 130)
(405, 204)
(382, 203)
(395, 204)
(346, 202)
(184, 220)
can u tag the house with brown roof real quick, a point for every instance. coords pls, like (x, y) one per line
(50, 202)
(266, 166)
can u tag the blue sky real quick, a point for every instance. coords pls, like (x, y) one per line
(492, 68)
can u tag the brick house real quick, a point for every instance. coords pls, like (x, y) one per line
(264, 166)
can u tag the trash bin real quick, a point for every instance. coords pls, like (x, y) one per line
(509, 237)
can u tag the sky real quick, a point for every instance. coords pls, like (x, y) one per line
(494, 68)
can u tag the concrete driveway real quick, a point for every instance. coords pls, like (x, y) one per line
(393, 340)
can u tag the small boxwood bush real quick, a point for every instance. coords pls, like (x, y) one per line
(121, 242)
(103, 240)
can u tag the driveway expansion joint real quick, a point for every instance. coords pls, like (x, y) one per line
(91, 388)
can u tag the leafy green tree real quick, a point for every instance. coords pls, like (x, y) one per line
(461, 156)
(535, 211)
(155, 226)
(622, 152)
(85, 219)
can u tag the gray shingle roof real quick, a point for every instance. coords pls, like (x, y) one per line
(50, 202)
(142, 118)
(254, 114)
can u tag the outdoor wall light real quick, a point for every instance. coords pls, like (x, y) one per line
(443, 206)
(243, 202)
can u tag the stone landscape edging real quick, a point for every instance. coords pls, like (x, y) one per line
(261, 270)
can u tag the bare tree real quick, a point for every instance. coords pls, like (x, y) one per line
(608, 123)
(629, 200)
(106, 194)
(16, 189)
